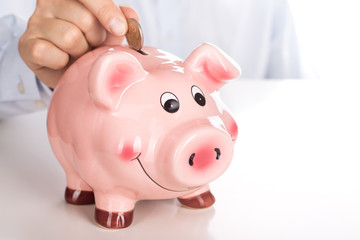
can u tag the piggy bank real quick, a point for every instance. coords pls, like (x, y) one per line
(129, 126)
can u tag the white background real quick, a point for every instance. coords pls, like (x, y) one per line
(329, 36)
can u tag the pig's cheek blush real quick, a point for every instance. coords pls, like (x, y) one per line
(129, 150)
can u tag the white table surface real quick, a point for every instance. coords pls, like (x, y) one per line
(295, 174)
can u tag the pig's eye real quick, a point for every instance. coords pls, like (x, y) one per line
(198, 95)
(169, 102)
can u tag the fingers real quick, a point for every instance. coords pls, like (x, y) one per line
(65, 36)
(109, 15)
(49, 43)
(76, 13)
(46, 60)
(40, 53)
(129, 12)
(60, 31)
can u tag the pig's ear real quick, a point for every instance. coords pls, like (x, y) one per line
(213, 64)
(110, 75)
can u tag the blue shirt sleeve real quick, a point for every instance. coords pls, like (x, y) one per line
(20, 91)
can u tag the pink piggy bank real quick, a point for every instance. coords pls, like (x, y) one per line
(127, 126)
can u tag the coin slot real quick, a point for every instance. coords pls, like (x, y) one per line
(143, 52)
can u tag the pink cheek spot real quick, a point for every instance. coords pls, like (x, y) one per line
(129, 150)
(127, 153)
(203, 158)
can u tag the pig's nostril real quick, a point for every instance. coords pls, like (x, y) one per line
(191, 159)
(218, 153)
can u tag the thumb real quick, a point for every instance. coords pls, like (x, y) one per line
(108, 14)
(112, 39)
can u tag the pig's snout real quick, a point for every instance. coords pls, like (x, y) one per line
(195, 155)
(204, 157)
(203, 151)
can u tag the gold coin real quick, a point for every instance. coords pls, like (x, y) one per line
(134, 35)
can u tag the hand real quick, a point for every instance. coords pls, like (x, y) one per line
(60, 31)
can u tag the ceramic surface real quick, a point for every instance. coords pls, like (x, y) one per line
(127, 127)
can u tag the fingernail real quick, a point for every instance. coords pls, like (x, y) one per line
(117, 27)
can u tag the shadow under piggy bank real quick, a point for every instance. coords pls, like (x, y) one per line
(168, 219)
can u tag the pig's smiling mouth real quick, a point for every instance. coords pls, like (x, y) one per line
(147, 174)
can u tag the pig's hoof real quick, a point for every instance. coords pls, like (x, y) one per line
(79, 197)
(114, 220)
(203, 200)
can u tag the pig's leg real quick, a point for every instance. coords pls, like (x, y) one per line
(113, 210)
(77, 191)
(201, 198)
